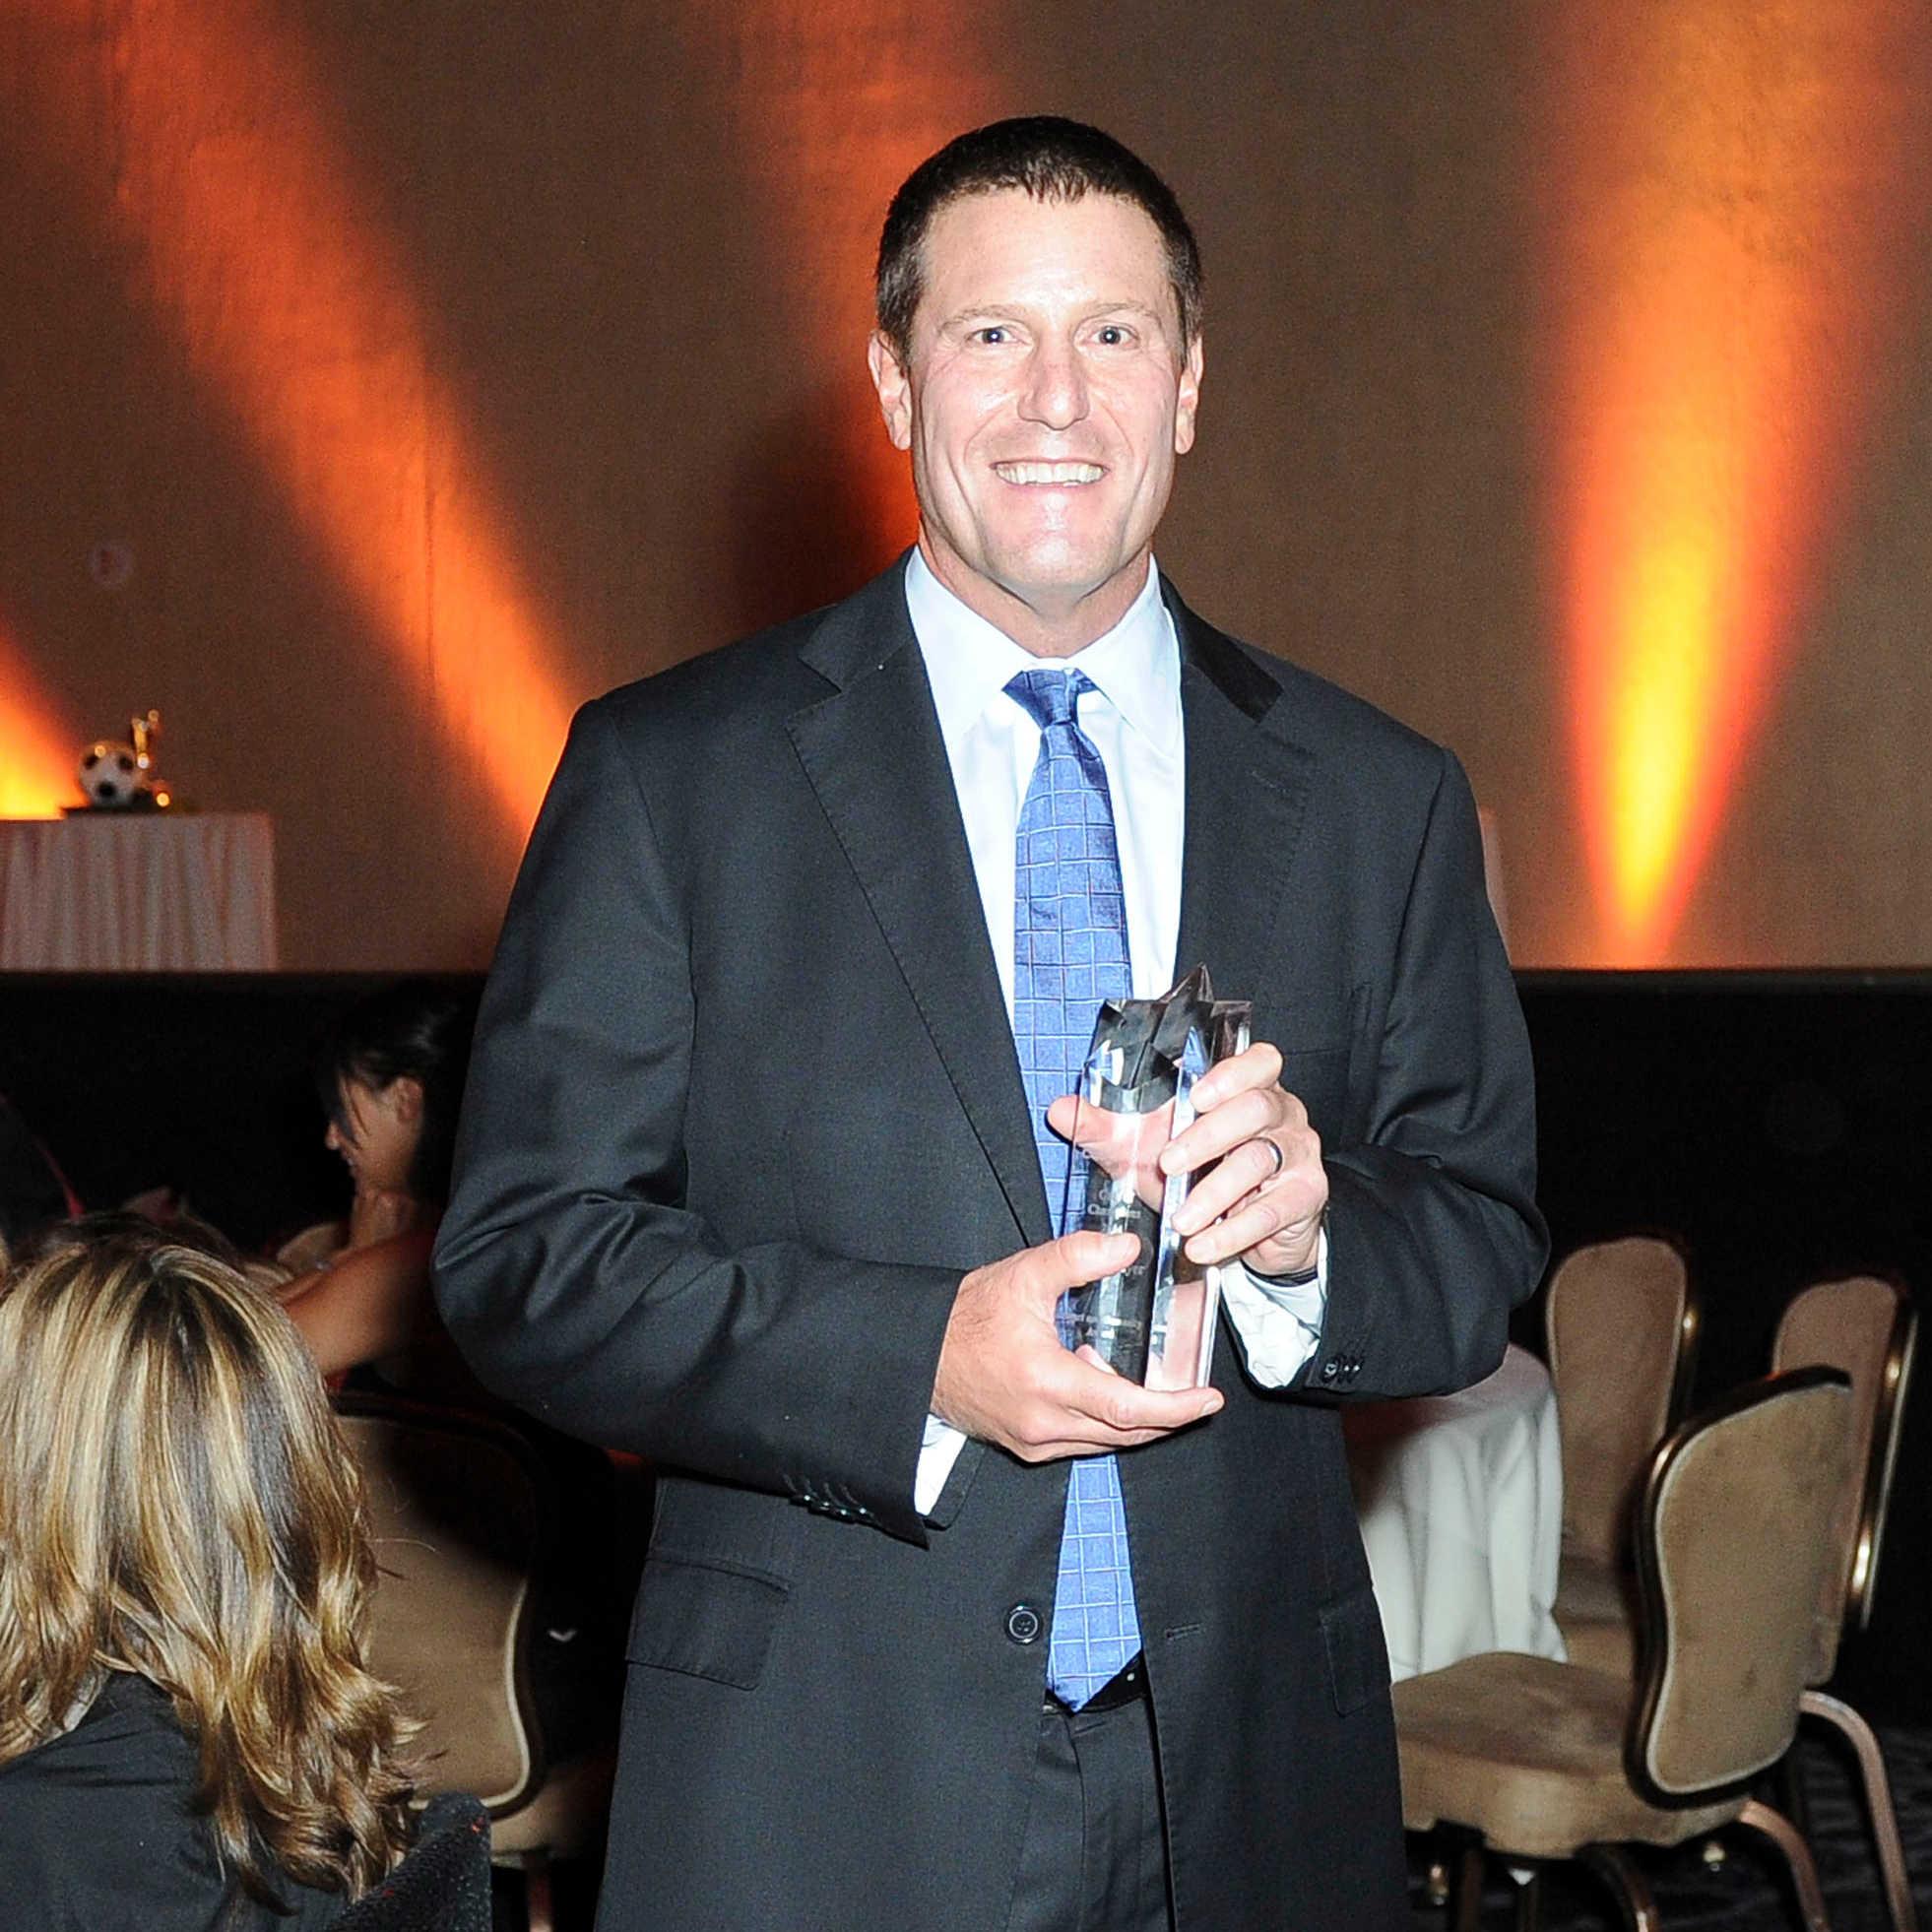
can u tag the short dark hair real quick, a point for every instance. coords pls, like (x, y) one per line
(1050, 159)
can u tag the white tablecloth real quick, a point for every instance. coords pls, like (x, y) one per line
(1460, 1499)
(138, 892)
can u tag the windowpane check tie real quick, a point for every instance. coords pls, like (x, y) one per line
(1069, 953)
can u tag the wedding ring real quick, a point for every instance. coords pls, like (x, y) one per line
(1280, 1158)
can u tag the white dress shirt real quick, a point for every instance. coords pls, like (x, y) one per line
(1134, 718)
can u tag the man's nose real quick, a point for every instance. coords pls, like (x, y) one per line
(1055, 391)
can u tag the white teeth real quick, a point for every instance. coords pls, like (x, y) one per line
(1049, 473)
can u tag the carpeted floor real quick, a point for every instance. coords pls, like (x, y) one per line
(1745, 1891)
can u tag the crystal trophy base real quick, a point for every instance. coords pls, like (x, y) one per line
(1154, 1321)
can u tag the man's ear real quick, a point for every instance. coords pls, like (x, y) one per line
(407, 1092)
(1188, 400)
(894, 388)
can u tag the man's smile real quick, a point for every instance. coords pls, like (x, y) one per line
(1058, 474)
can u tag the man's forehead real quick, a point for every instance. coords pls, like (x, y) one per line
(994, 244)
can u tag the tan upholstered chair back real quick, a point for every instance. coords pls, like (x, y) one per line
(1620, 1326)
(456, 1509)
(1733, 1533)
(1867, 1326)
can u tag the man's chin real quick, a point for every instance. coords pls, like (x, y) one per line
(1061, 572)
(1061, 592)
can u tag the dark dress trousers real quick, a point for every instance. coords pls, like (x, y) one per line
(744, 1106)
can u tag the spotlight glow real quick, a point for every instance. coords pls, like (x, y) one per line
(1732, 188)
(38, 752)
(246, 230)
(853, 95)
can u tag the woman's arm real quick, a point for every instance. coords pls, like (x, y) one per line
(367, 1302)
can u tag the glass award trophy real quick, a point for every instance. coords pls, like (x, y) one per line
(1154, 1321)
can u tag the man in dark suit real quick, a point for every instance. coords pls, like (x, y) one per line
(943, 1626)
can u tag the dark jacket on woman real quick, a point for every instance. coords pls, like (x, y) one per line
(97, 1832)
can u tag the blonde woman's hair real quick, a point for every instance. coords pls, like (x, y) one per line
(177, 1502)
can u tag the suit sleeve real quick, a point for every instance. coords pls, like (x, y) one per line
(570, 1268)
(1432, 1226)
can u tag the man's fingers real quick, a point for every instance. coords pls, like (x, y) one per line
(1075, 1259)
(1104, 1409)
(1247, 1114)
(1251, 1166)
(1265, 1217)
(1099, 1443)
(1079, 1407)
(1258, 1066)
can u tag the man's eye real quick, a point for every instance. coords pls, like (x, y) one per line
(993, 334)
(1111, 335)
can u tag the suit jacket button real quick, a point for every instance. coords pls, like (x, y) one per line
(1330, 1368)
(1024, 1624)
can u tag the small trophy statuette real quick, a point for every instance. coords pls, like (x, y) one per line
(1154, 1321)
(123, 777)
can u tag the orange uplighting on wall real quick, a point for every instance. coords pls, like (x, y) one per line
(1729, 186)
(237, 206)
(38, 752)
(852, 95)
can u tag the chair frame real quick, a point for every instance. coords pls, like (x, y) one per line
(1861, 1583)
(1861, 1589)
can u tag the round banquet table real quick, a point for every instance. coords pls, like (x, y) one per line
(1460, 1499)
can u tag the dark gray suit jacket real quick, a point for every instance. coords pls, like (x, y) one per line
(744, 1105)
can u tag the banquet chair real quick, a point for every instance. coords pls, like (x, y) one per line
(1537, 1761)
(461, 1513)
(1866, 1326)
(1620, 1329)
(442, 1885)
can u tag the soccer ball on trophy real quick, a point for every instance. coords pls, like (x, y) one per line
(110, 775)
(123, 777)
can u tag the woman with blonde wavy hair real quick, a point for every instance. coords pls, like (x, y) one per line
(188, 1737)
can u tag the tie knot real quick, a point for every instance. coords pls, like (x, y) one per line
(1049, 698)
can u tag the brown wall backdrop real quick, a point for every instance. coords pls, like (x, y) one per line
(545, 369)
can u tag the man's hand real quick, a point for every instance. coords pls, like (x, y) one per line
(1005, 1377)
(1254, 1207)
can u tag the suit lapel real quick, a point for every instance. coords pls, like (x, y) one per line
(872, 754)
(1248, 781)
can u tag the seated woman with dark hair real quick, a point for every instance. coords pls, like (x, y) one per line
(188, 1737)
(390, 1076)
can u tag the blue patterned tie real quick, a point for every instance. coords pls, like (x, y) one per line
(1069, 953)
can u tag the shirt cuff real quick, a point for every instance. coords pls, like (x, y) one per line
(1280, 1322)
(936, 1456)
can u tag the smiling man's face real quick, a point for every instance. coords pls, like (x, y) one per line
(1044, 396)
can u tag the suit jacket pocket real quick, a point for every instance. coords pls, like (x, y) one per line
(706, 1620)
(1358, 1659)
(1318, 1077)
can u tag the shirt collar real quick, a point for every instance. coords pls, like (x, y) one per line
(968, 661)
